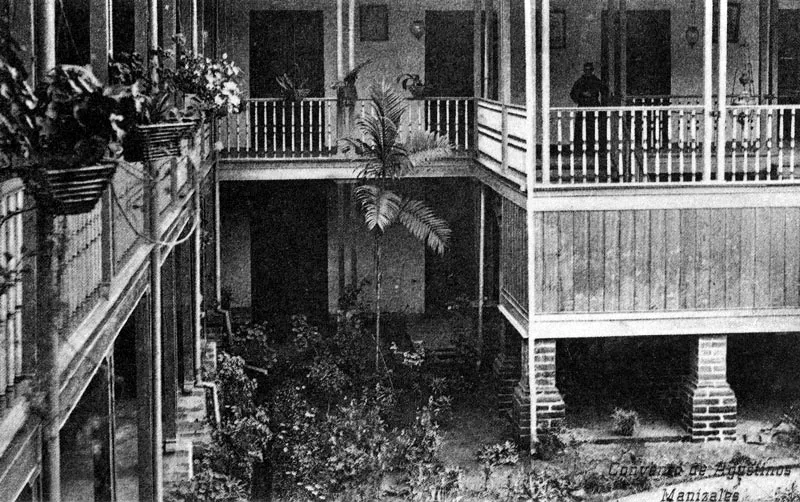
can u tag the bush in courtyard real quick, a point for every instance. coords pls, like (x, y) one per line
(624, 422)
(788, 494)
(207, 485)
(236, 389)
(253, 343)
(491, 456)
(545, 485)
(549, 445)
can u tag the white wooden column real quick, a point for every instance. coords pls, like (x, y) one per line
(545, 79)
(100, 36)
(722, 87)
(481, 263)
(708, 88)
(351, 35)
(530, 168)
(195, 14)
(339, 40)
(45, 37)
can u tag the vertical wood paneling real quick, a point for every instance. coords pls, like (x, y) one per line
(688, 287)
(566, 302)
(642, 260)
(674, 255)
(792, 259)
(733, 257)
(748, 260)
(777, 266)
(761, 274)
(580, 261)
(596, 261)
(539, 261)
(703, 264)
(627, 264)
(550, 300)
(658, 259)
(717, 238)
(612, 259)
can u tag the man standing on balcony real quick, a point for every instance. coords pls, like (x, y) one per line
(589, 91)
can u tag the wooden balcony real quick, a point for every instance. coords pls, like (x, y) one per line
(278, 139)
(644, 144)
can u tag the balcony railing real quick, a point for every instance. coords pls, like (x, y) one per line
(277, 129)
(643, 144)
(11, 256)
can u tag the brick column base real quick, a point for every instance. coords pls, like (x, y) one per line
(709, 409)
(506, 368)
(550, 408)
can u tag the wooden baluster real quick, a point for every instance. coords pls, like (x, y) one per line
(273, 105)
(559, 148)
(439, 118)
(596, 139)
(608, 146)
(320, 126)
(632, 141)
(584, 161)
(265, 135)
(669, 145)
(693, 142)
(657, 143)
(302, 110)
(238, 119)
(572, 146)
(746, 137)
(247, 128)
(793, 118)
(681, 144)
(757, 143)
(645, 141)
(292, 133)
(468, 103)
(329, 119)
(457, 131)
(620, 146)
(284, 130)
(781, 142)
(769, 131)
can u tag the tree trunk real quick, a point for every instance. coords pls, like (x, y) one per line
(377, 303)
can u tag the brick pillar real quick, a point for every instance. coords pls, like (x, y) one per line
(506, 367)
(709, 411)
(549, 403)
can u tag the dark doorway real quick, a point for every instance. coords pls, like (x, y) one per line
(290, 42)
(649, 56)
(788, 47)
(449, 68)
(289, 248)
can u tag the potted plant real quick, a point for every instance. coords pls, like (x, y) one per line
(160, 113)
(62, 137)
(412, 83)
(346, 93)
(214, 83)
(293, 87)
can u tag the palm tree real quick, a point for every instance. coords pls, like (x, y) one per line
(387, 158)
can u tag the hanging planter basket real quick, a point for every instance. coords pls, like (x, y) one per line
(76, 190)
(157, 141)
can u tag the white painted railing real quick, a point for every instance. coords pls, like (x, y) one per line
(11, 256)
(643, 144)
(83, 263)
(277, 129)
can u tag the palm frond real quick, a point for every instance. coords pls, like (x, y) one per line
(424, 146)
(423, 224)
(356, 146)
(381, 207)
(386, 102)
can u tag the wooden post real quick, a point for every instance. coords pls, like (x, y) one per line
(154, 229)
(339, 40)
(722, 88)
(341, 235)
(143, 321)
(100, 36)
(504, 84)
(169, 348)
(195, 26)
(103, 431)
(197, 279)
(49, 310)
(545, 99)
(481, 265)
(45, 37)
(708, 89)
(351, 35)
(530, 167)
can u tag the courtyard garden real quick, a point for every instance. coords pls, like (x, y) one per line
(307, 415)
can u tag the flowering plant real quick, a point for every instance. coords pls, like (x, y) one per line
(215, 82)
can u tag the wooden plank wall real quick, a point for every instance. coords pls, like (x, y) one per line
(513, 259)
(662, 259)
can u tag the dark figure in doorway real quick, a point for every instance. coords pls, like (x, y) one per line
(589, 91)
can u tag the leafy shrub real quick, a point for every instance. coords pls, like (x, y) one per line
(624, 422)
(549, 445)
(419, 443)
(542, 486)
(208, 485)
(252, 342)
(788, 494)
(237, 390)
(490, 456)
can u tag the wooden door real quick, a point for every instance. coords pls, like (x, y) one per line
(286, 41)
(449, 70)
(788, 46)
